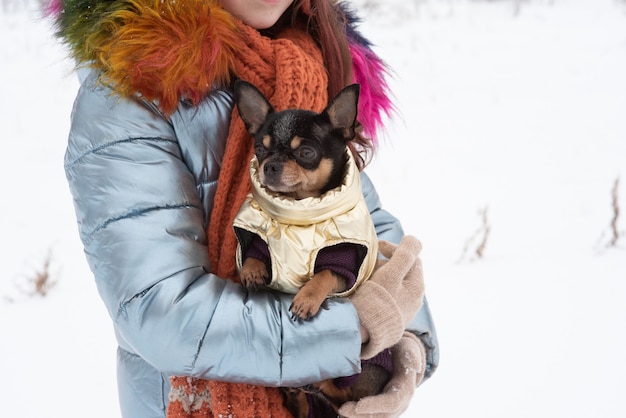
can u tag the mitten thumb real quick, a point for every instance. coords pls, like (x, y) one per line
(401, 259)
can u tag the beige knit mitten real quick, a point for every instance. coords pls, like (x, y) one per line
(409, 360)
(388, 301)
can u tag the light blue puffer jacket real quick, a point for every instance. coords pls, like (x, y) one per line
(143, 189)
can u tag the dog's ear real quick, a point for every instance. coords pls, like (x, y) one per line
(342, 111)
(252, 105)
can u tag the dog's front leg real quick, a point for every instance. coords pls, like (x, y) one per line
(253, 274)
(307, 302)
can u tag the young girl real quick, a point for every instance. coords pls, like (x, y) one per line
(157, 166)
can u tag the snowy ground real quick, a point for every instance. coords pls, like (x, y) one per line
(517, 111)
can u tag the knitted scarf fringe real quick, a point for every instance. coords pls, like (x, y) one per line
(194, 398)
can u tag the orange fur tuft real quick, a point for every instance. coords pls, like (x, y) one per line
(169, 50)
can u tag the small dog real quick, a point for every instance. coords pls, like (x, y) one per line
(300, 156)
(305, 229)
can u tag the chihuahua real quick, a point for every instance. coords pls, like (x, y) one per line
(302, 156)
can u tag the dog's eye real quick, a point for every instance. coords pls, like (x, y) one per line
(306, 153)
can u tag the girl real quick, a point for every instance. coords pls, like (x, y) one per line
(157, 165)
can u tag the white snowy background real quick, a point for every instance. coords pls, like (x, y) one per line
(510, 106)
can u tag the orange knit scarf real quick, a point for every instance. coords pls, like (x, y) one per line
(289, 70)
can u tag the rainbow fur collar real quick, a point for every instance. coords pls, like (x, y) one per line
(165, 50)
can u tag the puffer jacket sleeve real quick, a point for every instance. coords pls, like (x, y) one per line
(141, 221)
(389, 228)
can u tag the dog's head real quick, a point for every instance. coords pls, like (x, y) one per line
(300, 153)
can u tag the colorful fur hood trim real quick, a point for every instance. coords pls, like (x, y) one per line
(161, 50)
(168, 50)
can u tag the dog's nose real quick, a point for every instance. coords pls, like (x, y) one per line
(272, 169)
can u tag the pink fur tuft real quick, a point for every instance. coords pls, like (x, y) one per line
(52, 8)
(374, 100)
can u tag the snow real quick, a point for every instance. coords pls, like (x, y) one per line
(516, 107)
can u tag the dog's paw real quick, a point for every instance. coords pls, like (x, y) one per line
(305, 306)
(252, 281)
(253, 274)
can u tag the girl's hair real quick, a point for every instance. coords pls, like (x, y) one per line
(326, 22)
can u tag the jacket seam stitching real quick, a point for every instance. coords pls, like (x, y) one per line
(114, 143)
(138, 212)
